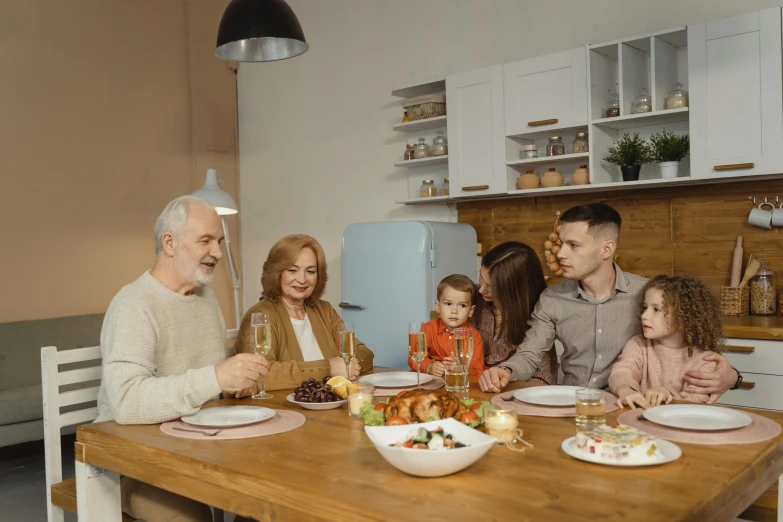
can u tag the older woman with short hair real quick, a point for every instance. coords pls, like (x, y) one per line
(304, 327)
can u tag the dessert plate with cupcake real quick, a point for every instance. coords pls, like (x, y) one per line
(620, 446)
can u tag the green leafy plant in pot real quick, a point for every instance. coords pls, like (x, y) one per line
(668, 150)
(629, 153)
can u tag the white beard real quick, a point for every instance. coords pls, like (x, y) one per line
(192, 271)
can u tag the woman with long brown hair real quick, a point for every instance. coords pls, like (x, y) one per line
(510, 281)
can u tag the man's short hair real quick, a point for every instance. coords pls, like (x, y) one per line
(601, 219)
(174, 217)
(460, 283)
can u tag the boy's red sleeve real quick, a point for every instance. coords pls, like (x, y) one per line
(477, 363)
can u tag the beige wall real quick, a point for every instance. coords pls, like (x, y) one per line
(109, 110)
(316, 142)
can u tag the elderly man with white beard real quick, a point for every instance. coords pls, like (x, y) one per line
(163, 346)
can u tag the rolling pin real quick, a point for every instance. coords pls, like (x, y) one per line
(753, 267)
(736, 266)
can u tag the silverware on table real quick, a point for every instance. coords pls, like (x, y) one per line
(641, 417)
(508, 399)
(205, 433)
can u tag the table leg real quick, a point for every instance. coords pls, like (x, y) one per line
(97, 494)
(780, 499)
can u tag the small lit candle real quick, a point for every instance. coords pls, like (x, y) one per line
(359, 394)
(502, 424)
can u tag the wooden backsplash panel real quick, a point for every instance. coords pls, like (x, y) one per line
(672, 230)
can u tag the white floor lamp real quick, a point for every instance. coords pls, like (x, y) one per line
(225, 206)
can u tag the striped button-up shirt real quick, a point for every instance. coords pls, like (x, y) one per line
(592, 332)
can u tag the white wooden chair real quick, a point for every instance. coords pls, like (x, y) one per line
(61, 494)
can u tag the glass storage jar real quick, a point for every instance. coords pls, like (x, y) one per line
(529, 152)
(409, 151)
(613, 109)
(444, 189)
(763, 296)
(678, 98)
(580, 143)
(555, 147)
(421, 150)
(440, 146)
(427, 189)
(642, 102)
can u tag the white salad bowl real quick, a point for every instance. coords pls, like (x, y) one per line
(426, 462)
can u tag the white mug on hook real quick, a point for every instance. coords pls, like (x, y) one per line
(759, 217)
(777, 216)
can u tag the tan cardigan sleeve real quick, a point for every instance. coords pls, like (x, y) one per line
(363, 354)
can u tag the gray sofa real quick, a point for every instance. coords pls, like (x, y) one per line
(21, 410)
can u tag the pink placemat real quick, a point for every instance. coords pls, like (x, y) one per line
(284, 420)
(759, 430)
(434, 384)
(524, 408)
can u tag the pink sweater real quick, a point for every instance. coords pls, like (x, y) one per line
(645, 364)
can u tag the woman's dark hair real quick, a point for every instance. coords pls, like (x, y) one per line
(517, 280)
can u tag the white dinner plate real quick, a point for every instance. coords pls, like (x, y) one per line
(548, 395)
(699, 417)
(316, 405)
(669, 452)
(395, 379)
(229, 416)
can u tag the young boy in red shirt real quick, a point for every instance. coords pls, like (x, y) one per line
(455, 306)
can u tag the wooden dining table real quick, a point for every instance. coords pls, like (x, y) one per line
(328, 469)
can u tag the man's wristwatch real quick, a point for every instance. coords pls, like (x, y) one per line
(739, 380)
(510, 371)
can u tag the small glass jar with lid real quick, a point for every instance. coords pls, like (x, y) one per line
(555, 147)
(421, 150)
(409, 151)
(581, 143)
(529, 152)
(678, 98)
(642, 102)
(428, 189)
(613, 109)
(440, 146)
(763, 296)
(444, 189)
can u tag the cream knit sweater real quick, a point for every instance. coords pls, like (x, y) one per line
(159, 353)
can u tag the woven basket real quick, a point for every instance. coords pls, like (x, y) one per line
(734, 301)
(424, 107)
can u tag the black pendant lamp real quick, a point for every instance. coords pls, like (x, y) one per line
(259, 31)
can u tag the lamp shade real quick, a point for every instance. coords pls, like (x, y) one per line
(259, 31)
(223, 203)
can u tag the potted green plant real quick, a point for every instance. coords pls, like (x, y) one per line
(629, 153)
(668, 150)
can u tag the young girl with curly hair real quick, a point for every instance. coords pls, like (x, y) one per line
(681, 323)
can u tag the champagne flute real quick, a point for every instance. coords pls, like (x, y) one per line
(346, 344)
(262, 343)
(463, 348)
(417, 347)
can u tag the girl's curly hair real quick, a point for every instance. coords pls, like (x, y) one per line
(691, 309)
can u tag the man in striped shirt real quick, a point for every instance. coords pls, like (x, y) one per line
(593, 313)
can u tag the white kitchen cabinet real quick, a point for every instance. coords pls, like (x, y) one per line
(761, 365)
(477, 162)
(546, 93)
(736, 95)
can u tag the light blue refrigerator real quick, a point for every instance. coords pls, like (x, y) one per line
(390, 272)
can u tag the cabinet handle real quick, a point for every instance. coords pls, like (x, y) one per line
(747, 385)
(349, 306)
(542, 122)
(741, 349)
(476, 187)
(734, 166)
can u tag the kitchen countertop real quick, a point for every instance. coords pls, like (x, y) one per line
(754, 327)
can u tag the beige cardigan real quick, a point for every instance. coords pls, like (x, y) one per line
(288, 368)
